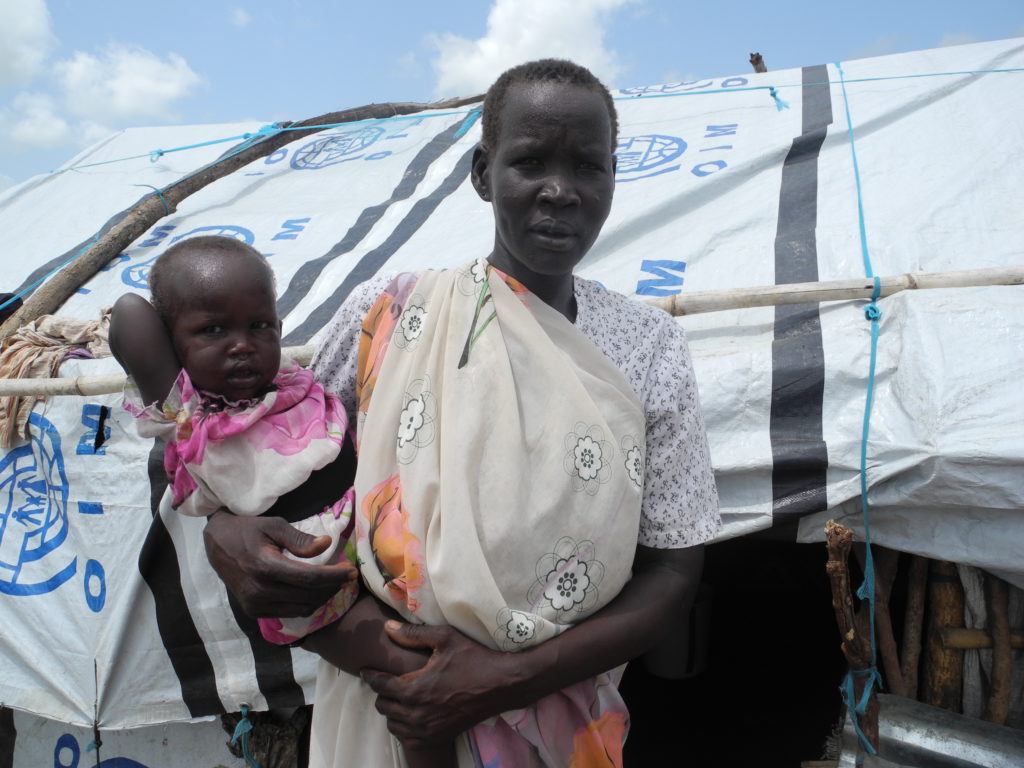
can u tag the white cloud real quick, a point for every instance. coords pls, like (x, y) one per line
(956, 38)
(523, 30)
(240, 17)
(34, 120)
(124, 83)
(25, 40)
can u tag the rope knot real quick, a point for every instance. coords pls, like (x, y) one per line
(872, 312)
(779, 103)
(155, 155)
(242, 732)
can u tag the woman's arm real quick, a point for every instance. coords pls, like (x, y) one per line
(141, 344)
(246, 554)
(464, 682)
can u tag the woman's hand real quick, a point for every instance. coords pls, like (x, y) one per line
(246, 552)
(461, 684)
(464, 683)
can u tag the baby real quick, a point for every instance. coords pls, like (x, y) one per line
(243, 430)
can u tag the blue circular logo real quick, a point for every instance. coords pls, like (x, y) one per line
(336, 148)
(137, 275)
(640, 157)
(34, 513)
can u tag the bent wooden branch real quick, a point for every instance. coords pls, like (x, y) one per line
(856, 641)
(151, 208)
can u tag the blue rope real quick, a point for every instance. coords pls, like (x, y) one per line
(779, 103)
(242, 732)
(867, 589)
(472, 115)
(471, 118)
(160, 194)
(48, 275)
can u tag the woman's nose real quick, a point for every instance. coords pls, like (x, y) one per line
(559, 190)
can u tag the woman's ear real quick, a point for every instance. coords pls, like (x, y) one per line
(479, 173)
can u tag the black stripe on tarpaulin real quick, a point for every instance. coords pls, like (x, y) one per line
(799, 455)
(158, 564)
(369, 265)
(275, 676)
(416, 171)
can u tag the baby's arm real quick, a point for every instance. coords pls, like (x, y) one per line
(142, 345)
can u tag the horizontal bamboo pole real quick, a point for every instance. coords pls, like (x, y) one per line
(973, 639)
(681, 304)
(698, 302)
(104, 384)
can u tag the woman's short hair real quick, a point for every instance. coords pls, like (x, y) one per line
(542, 71)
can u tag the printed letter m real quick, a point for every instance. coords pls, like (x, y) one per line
(666, 283)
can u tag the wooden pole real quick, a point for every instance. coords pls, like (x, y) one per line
(833, 290)
(886, 561)
(856, 643)
(706, 301)
(977, 639)
(913, 623)
(151, 208)
(997, 595)
(104, 384)
(944, 667)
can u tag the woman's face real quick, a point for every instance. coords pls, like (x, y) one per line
(549, 179)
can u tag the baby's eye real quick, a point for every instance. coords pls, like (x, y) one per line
(528, 162)
(212, 330)
(260, 325)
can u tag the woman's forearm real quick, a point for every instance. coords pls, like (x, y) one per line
(464, 683)
(664, 581)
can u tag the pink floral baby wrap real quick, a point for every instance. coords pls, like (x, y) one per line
(245, 455)
(498, 491)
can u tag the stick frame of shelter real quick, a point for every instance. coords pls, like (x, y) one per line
(856, 641)
(681, 304)
(913, 624)
(942, 685)
(154, 206)
(997, 596)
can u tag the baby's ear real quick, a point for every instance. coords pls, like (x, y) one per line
(480, 172)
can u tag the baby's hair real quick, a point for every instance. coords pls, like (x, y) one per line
(541, 71)
(180, 268)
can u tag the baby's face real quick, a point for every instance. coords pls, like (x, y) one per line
(229, 337)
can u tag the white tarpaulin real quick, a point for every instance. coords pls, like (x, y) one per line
(721, 184)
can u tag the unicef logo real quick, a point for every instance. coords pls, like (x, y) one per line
(640, 157)
(137, 275)
(336, 148)
(34, 513)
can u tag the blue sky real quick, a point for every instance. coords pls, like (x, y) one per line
(73, 71)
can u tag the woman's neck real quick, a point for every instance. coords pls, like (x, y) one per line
(557, 291)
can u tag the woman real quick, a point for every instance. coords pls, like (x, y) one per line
(556, 344)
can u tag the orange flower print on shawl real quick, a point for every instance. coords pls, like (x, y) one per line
(599, 745)
(373, 343)
(397, 553)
